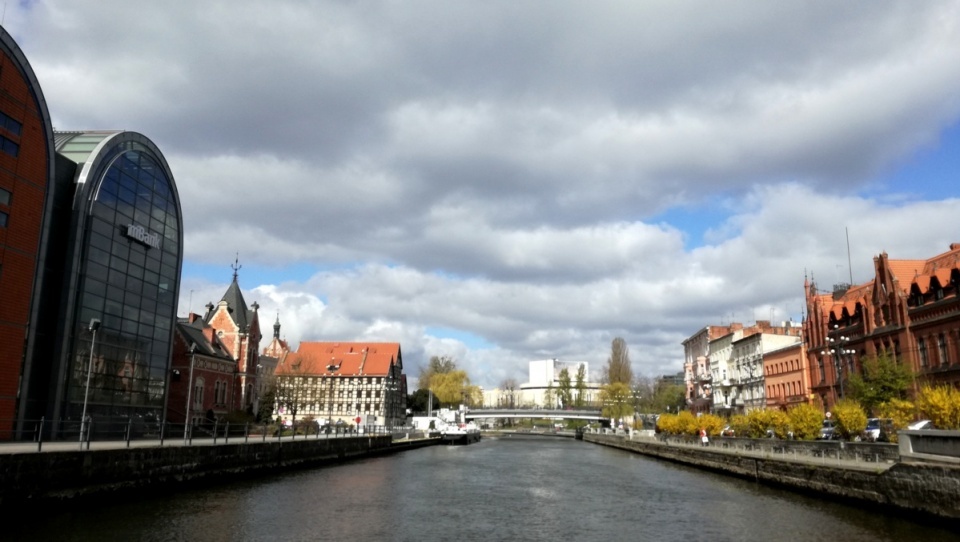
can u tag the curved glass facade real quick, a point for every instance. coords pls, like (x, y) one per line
(128, 267)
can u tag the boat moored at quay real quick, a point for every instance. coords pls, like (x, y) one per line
(460, 433)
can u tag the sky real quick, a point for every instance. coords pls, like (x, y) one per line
(502, 182)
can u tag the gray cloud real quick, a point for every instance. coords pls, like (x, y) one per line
(495, 168)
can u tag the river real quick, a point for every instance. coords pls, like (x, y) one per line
(511, 488)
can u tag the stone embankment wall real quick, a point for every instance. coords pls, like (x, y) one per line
(931, 488)
(68, 474)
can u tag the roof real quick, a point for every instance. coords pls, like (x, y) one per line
(905, 270)
(193, 334)
(940, 267)
(236, 306)
(80, 146)
(342, 359)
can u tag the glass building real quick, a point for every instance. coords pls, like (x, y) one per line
(123, 255)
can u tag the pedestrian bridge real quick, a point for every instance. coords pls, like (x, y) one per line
(539, 413)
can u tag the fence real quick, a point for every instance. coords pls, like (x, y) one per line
(128, 431)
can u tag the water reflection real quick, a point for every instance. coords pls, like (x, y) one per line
(506, 489)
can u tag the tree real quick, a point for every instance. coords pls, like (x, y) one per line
(419, 400)
(581, 385)
(883, 379)
(805, 421)
(564, 392)
(508, 393)
(550, 396)
(267, 401)
(436, 365)
(291, 387)
(618, 364)
(615, 399)
(452, 388)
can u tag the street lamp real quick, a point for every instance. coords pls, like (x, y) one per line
(94, 326)
(186, 417)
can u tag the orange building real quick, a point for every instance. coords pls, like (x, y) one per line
(26, 185)
(786, 377)
(910, 310)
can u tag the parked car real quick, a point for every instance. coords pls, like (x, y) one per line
(827, 431)
(920, 425)
(872, 432)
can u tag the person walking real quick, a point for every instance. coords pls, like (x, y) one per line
(704, 440)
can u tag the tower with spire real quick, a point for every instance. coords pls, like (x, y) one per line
(238, 328)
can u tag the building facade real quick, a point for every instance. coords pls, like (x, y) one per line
(342, 383)
(107, 339)
(202, 374)
(909, 311)
(238, 329)
(26, 200)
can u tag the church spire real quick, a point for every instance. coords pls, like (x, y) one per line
(276, 327)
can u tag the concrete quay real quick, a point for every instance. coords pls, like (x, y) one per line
(927, 487)
(62, 471)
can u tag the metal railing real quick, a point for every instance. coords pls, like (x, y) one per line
(34, 435)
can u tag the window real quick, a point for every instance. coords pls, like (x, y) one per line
(198, 394)
(9, 146)
(922, 347)
(5, 196)
(3, 219)
(942, 346)
(10, 124)
(823, 377)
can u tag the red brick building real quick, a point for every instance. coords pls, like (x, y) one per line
(910, 310)
(26, 182)
(202, 374)
(238, 329)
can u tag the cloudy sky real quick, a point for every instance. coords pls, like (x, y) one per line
(509, 181)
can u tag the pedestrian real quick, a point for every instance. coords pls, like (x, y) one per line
(704, 440)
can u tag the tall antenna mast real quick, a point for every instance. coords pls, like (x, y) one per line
(849, 261)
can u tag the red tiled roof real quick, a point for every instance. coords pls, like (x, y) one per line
(905, 270)
(342, 359)
(940, 266)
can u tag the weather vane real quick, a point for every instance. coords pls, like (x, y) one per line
(236, 266)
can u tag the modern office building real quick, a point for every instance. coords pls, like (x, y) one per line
(121, 246)
(26, 185)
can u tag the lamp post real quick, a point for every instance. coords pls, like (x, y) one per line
(187, 422)
(94, 326)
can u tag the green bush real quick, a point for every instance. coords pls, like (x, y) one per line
(805, 421)
(900, 413)
(941, 405)
(850, 419)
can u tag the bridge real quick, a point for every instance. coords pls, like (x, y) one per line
(538, 413)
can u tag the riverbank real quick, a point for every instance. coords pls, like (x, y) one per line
(925, 487)
(71, 474)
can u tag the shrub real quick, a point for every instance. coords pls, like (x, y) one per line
(759, 421)
(850, 419)
(740, 424)
(687, 423)
(900, 413)
(712, 423)
(805, 421)
(941, 405)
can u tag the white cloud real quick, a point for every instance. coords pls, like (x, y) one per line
(497, 169)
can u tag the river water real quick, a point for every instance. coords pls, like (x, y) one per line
(511, 488)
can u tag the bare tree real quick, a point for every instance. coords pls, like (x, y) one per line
(618, 364)
(291, 388)
(508, 393)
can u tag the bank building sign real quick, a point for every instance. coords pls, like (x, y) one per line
(140, 234)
